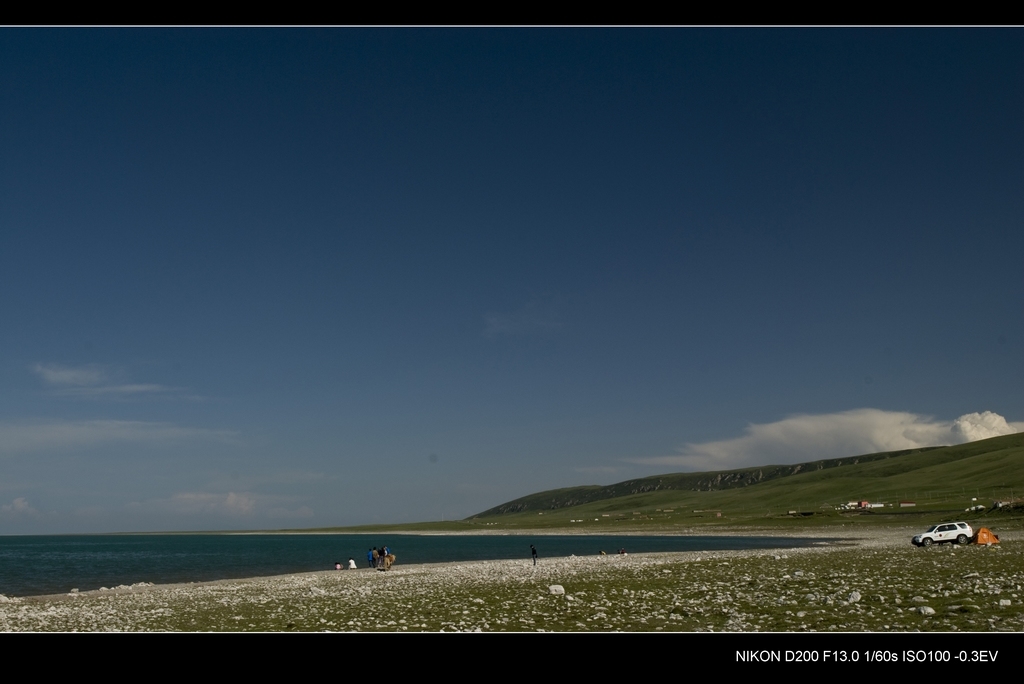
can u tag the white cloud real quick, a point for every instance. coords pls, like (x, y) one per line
(239, 504)
(54, 374)
(112, 390)
(18, 507)
(833, 435)
(974, 426)
(92, 381)
(61, 435)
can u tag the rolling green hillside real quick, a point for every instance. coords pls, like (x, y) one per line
(939, 480)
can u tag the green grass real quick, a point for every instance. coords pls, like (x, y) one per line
(942, 481)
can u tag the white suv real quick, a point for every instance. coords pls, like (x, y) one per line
(954, 533)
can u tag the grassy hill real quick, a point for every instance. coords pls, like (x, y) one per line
(942, 481)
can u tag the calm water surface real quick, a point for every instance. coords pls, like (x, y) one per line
(55, 564)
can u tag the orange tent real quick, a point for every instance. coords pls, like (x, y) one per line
(986, 537)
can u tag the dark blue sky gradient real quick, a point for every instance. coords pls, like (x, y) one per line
(532, 253)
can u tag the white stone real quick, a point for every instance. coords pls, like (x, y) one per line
(556, 589)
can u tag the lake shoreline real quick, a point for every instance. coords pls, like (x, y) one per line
(858, 538)
(856, 582)
(53, 565)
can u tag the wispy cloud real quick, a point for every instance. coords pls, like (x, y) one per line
(530, 319)
(20, 437)
(235, 504)
(88, 375)
(230, 504)
(94, 381)
(113, 390)
(834, 435)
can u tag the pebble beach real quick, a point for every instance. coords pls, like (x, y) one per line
(866, 581)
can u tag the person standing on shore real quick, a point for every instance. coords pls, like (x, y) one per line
(533, 552)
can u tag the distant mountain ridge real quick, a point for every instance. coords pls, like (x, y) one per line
(555, 499)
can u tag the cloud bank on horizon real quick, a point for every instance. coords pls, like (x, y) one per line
(63, 435)
(803, 438)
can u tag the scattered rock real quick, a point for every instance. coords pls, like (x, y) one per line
(919, 599)
(556, 590)
(970, 574)
(926, 610)
(853, 597)
(1005, 602)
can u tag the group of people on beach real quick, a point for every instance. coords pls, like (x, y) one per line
(381, 558)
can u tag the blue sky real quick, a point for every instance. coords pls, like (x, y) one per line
(261, 278)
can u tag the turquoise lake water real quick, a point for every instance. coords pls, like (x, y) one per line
(55, 564)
